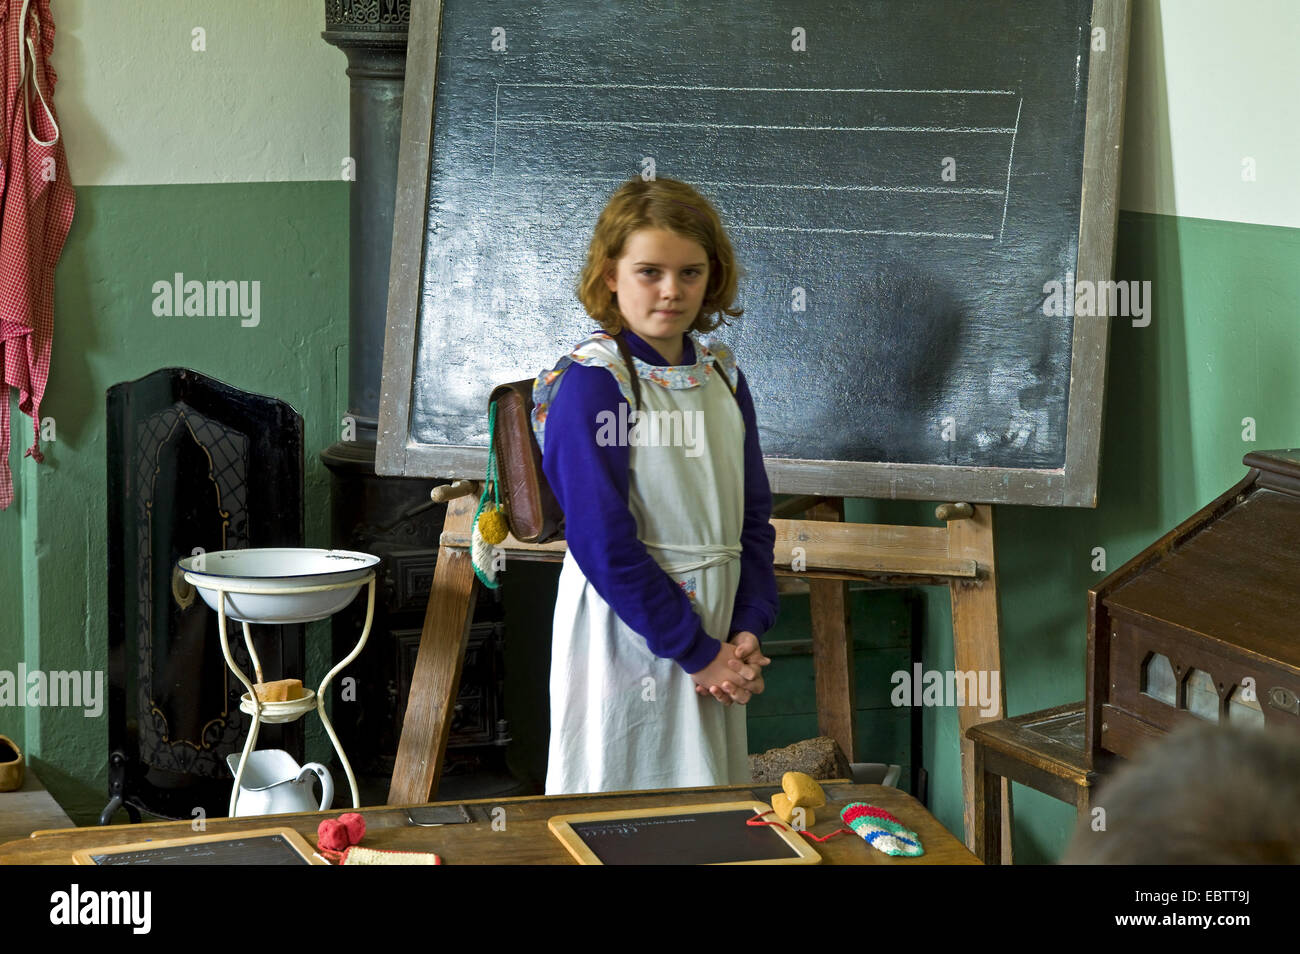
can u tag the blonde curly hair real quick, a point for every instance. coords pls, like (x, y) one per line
(659, 204)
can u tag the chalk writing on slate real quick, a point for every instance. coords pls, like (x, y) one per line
(705, 838)
(262, 850)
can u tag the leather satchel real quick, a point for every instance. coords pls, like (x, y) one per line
(531, 510)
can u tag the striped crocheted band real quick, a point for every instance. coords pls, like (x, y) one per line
(882, 830)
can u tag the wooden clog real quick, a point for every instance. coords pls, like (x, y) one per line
(11, 765)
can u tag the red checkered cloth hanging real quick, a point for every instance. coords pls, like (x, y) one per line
(36, 206)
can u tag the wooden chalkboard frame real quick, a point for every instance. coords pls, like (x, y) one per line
(1073, 485)
(562, 827)
(87, 856)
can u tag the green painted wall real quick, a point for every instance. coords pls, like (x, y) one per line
(291, 237)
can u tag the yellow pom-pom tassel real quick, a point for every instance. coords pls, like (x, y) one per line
(492, 525)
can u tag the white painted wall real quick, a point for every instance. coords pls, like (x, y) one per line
(266, 101)
(1211, 82)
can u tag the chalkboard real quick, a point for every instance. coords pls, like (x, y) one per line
(272, 846)
(901, 182)
(685, 835)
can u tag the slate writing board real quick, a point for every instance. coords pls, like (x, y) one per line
(276, 846)
(894, 311)
(686, 835)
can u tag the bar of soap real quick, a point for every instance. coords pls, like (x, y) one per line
(791, 813)
(802, 790)
(281, 690)
(781, 805)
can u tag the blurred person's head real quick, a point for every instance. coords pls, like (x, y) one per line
(1202, 795)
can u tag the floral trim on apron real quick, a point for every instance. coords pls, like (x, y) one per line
(594, 352)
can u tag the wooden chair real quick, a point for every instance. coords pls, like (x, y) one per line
(1043, 750)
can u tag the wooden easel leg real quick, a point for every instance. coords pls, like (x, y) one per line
(832, 635)
(976, 648)
(441, 655)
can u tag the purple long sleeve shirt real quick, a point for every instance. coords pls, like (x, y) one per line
(591, 484)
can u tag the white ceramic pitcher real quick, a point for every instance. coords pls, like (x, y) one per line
(274, 783)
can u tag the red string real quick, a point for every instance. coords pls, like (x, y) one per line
(758, 819)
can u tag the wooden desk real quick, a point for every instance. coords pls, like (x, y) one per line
(526, 839)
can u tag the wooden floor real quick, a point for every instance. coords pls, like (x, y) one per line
(29, 809)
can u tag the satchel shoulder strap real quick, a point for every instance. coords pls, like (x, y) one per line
(717, 366)
(626, 352)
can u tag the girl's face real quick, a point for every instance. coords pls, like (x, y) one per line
(660, 282)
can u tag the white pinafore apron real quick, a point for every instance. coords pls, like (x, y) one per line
(622, 718)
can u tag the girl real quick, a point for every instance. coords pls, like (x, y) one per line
(668, 579)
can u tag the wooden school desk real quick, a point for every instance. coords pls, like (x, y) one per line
(525, 839)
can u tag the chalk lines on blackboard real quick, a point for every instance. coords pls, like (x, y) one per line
(767, 89)
(791, 228)
(657, 124)
(1010, 158)
(936, 220)
(496, 111)
(951, 190)
(713, 184)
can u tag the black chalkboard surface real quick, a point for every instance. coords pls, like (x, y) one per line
(684, 835)
(279, 846)
(900, 180)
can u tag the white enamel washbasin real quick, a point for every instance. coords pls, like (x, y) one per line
(274, 571)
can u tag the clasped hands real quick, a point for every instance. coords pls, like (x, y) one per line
(736, 673)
